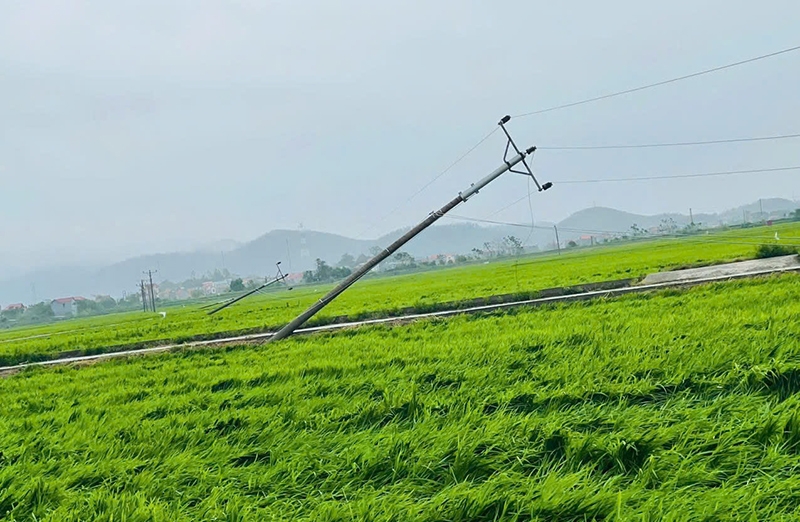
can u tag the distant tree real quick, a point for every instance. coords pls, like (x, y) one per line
(38, 312)
(217, 275)
(106, 303)
(340, 273)
(325, 273)
(404, 259)
(374, 251)
(461, 259)
(795, 215)
(323, 269)
(361, 259)
(572, 244)
(691, 228)
(667, 226)
(12, 315)
(478, 253)
(167, 285)
(512, 246)
(637, 231)
(347, 260)
(237, 285)
(88, 307)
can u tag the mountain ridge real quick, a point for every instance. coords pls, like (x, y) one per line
(298, 250)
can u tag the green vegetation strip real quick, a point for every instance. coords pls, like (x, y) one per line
(390, 296)
(680, 405)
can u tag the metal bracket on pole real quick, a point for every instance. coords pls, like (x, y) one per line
(510, 143)
(508, 164)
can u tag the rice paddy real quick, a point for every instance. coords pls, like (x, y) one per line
(389, 296)
(677, 405)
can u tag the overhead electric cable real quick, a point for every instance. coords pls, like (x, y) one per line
(658, 84)
(428, 184)
(673, 144)
(680, 176)
(648, 178)
(619, 232)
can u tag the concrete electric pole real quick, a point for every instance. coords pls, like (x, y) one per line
(149, 274)
(144, 296)
(278, 277)
(507, 166)
(558, 243)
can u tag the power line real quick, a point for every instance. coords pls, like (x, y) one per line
(658, 84)
(673, 144)
(538, 227)
(726, 239)
(492, 222)
(707, 174)
(646, 178)
(680, 176)
(619, 232)
(429, 183)
(515, 202)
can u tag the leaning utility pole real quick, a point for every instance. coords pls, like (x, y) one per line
(558, 243)
(144, 297)
(279, 277)
(508, 164)
(152, 293)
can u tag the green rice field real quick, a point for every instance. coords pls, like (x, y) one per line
(387, 296)
(675, 405)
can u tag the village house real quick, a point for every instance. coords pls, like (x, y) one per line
(66, 306)
(447, 259)
(294, 277)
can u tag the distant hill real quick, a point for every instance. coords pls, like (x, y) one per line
(223, 245)
(295, 249)
(602, 219)
(461, 238)
(772, 207)
(298, 250)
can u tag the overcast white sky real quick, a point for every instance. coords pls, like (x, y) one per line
(131, 127)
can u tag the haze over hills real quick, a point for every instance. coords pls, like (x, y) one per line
(298, 250)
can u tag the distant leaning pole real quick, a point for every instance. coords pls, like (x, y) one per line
(507, 166)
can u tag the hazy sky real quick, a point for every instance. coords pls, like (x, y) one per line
(138, 126)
